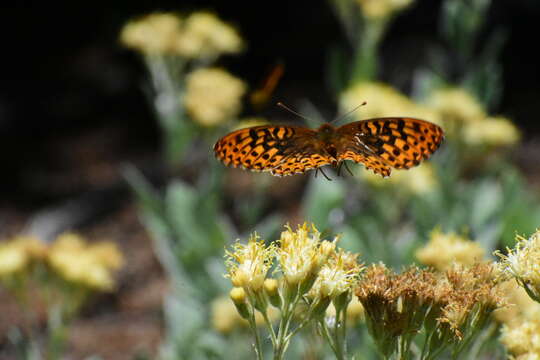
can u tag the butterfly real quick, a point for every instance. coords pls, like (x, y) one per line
(380, 144)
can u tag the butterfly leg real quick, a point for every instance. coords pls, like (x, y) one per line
(339, 168)
(322, 172)
(347, 167)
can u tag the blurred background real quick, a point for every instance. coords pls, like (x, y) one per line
(91, 144)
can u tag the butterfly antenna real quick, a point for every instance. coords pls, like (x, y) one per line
(341, 117)
(282, 105)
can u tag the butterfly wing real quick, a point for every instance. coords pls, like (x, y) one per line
(385, 143)
(282, 150)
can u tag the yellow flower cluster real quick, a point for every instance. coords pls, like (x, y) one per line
(381, 9)
(84, 264)
(455, 109)
(213, 96)
(199, 36)
(522, 339)
(520, 305)
(16, 255)
(68, 256)
(383, 100)
(463, 116)
(418, 181)
(313, 273)
(523, 264)
(444, 250)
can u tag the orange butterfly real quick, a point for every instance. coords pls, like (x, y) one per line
(380, 144)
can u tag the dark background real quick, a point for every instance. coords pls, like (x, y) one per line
(72, 109)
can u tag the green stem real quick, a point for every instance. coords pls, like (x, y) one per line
(365, 58)
(270, 328)
(253, 325)
(338, 340)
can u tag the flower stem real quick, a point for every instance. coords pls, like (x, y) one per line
(253, 325)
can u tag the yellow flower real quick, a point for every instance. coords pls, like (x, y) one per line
(497, 131)
(380, 9)
(249, 122)
(301, 255)
(383, 100)
(456, 105)
(153, 34)
(107, 254)
(443, 250)
(225, 317)
(16, 254)
(523, 263)
(204, 36)
(213, 96)
(419, 180)
(337, 276)
(87, 265)
(520, 306)
(248, 264)
(522, 339)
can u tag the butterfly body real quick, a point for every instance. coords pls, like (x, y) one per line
(380, 144)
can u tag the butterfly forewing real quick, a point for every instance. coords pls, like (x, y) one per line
(385, 143)
(282, 150)
(380, 144)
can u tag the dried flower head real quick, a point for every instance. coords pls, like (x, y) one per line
(383, 100)
(523, 264)
(152, 34)
(443, 250)
(381, 9)
(450, 306)
(213, 96)
(301, 254)
(205, 36)
(491, 131)
(87, 265)
(248, 264)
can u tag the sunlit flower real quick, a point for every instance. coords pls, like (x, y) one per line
(523, 264)
(213, 96)
(443, 250)
(248, 264)
(16, 254)
(88, 265)
(337, 276)
(419, 180)
(381, 101)
(205, 36)
(456, 105)
(495, 131)
(301, 255)
(152, 34)
(449, 306)
(380, 9)
(520, 305)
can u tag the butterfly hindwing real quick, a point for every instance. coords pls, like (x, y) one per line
(385, 143)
